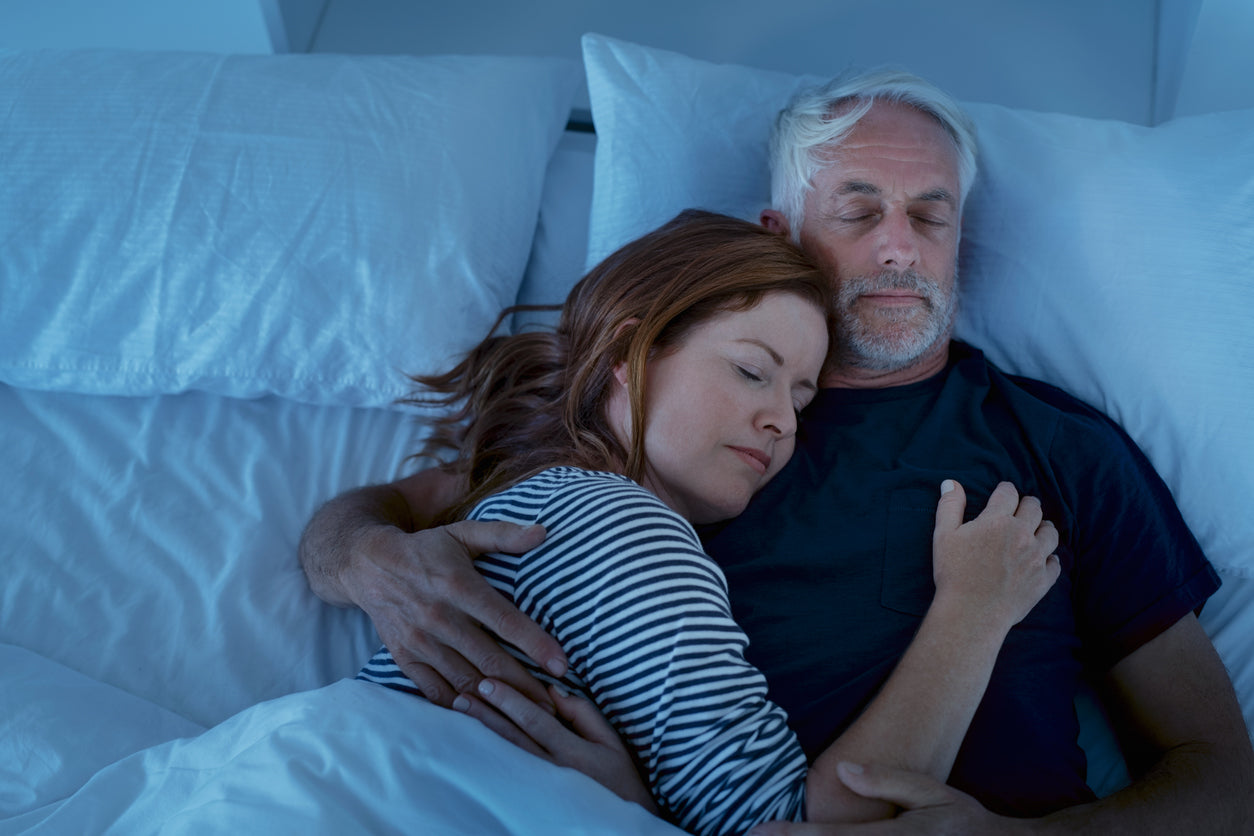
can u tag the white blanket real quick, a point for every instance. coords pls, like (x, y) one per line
(348, 758)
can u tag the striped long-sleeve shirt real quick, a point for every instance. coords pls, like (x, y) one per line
(642, 612)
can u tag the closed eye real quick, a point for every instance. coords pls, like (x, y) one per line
(749, 374)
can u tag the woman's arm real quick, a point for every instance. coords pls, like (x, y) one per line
(371, 548)
(989, 574)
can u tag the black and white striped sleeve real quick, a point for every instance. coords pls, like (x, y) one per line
(623, 584)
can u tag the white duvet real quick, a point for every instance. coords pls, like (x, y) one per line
(351, 757)
(164, 666)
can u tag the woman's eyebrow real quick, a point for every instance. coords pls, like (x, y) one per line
(779, 361)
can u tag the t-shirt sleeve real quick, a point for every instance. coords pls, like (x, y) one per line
(623, 584)
(1139, 569)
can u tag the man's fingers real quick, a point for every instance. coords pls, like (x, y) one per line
(952, 505)
(480, 536)
(493, 611)
(450, 672)
(473, 656)
(508, 622)
(911, 790)
(433, 686)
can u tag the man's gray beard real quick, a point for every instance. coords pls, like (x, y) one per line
(888, 350)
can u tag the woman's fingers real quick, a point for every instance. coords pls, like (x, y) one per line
(540, 727)
(483, 712)
(585, 718)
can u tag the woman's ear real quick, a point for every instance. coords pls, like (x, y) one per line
(620, 369)
(620, 374)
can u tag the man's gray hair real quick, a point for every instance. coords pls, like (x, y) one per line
(822, 117)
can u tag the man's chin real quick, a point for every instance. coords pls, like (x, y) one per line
(888, 352)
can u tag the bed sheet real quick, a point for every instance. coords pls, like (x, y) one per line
(150, 542)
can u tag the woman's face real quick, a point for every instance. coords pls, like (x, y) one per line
(721, 408)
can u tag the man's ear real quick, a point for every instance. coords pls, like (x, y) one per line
(775, 221)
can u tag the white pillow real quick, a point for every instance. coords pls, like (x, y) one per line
(310, 226)
(1114, 260)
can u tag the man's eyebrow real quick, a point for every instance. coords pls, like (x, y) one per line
(938, 194)
(857, 187)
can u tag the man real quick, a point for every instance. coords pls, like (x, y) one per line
(829, 569)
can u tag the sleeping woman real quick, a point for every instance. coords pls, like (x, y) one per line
(668, 394)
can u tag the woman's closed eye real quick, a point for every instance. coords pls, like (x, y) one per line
(750, 374)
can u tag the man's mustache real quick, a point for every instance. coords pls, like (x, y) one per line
(910, 280)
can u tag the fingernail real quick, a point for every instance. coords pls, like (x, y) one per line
(855, 768)
(560, 689)
(555, 667)
(947, 486)
(486, 688)
(461, 703)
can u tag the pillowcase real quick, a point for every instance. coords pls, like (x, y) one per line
(311, 226)
(1113, 260)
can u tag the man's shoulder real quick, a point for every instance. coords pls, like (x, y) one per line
(974, 364)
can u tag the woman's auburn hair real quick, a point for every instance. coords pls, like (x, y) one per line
(518, 404)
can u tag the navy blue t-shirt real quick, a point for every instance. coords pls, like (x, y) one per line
(830, 568)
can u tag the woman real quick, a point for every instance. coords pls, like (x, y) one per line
(666, 397)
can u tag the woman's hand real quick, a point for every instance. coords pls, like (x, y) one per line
(579, 737)
(999, 565)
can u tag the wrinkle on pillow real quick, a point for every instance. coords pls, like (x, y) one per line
(310, 226)
(1113, 260)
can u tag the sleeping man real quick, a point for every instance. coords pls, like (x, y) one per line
(829, 568)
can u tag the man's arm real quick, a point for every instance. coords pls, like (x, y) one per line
(1197, 765)
(371, 548)
(1189, 748)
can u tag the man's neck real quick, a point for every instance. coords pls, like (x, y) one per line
(852, 377)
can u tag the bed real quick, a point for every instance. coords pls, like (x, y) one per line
(214, 272)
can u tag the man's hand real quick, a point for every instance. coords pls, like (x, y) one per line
(929, 808)
(579, 737)
(434, 611)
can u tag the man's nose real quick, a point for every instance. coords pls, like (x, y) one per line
(897, 246)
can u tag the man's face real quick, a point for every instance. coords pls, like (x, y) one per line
(883, 220)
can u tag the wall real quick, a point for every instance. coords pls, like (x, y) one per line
(1075, 56)
(1210, 44)
(215, 26)
(1142, 61)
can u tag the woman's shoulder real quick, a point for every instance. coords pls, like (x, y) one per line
(565, 497)
(566, 485)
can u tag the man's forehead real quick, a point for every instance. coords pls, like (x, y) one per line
(892, 142)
